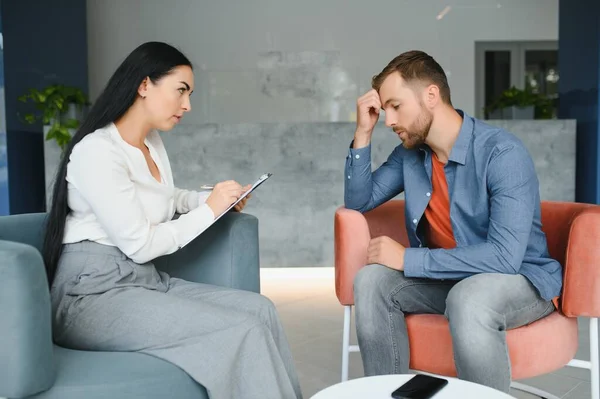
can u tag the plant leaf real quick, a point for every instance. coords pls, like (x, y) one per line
(30, 118)
(71, 124)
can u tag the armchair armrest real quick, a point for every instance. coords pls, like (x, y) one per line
(581, 282)
(352, 233)
(226, 254)
(26, 350)
(351, 240)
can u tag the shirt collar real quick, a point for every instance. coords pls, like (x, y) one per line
(463, 141)
(459, 151)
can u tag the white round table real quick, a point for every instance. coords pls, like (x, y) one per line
(382, 386)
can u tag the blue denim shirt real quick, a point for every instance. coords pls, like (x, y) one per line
(494, 206)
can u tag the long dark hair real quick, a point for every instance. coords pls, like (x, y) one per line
(150, 60)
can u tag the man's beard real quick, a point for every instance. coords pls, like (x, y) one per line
(418, 131)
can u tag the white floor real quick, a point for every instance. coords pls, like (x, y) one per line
(312, 317)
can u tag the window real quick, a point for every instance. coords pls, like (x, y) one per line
(525, 65)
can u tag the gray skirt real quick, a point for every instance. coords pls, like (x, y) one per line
(230, 341)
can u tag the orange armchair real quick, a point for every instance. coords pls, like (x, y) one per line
(573, 234)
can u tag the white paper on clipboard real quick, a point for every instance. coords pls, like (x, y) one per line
(260, 181)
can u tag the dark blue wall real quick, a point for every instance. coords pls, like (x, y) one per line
(579, 65)
(4, 195)
(1, 51)
(45, 42)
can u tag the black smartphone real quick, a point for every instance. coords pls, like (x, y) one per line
(421, 386)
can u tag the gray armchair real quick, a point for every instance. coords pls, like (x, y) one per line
(32, 366)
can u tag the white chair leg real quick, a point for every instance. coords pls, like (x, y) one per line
(532, 390)
(346, 341)
(595, 362)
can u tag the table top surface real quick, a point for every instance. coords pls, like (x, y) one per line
(380, 387)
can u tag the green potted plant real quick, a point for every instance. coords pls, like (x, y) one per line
(515, 103)
(59, 108)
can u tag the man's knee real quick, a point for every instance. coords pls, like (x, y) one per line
(472, 301)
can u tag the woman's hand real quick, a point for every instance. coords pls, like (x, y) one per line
(223, 195)
(242, 204)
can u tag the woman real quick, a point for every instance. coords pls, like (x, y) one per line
(111, 215)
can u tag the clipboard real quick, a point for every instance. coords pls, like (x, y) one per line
(260, 181)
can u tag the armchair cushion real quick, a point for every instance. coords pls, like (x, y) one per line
(102, 375)
(538, 348)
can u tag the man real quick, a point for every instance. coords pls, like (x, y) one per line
(477, 252)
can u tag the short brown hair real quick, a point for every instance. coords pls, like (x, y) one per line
(416, 66)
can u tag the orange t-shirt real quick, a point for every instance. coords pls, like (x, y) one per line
(439, 231)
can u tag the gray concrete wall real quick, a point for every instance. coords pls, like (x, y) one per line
(309, 60)
(296, 206)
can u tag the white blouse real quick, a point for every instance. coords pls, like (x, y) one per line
(115, 200)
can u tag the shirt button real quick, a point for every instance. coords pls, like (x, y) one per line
(428, 194)
(348, 176)
(357, 156)
(415, 221)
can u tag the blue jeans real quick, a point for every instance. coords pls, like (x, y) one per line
(479, 309)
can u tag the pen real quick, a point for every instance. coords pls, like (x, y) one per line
(207, 187)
